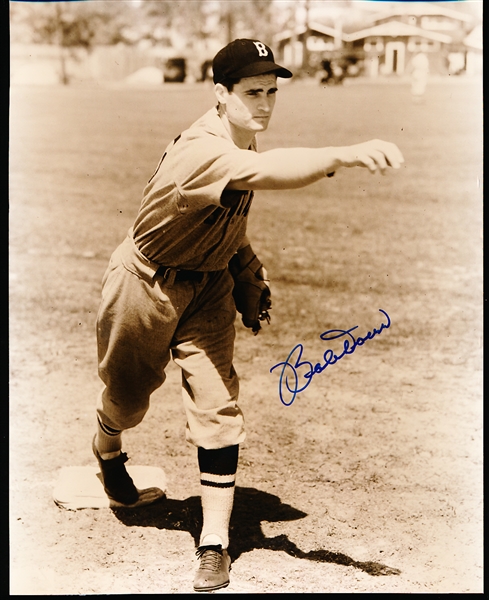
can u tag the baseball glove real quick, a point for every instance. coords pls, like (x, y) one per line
(251, 291)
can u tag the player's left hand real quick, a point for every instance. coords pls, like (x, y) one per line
(251, 290)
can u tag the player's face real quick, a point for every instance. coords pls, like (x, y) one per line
(250, 105)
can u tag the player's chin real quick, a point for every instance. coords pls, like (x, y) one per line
(260, 124)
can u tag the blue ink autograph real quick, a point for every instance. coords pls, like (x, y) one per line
(289, 377)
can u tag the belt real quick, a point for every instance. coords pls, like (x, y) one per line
(181, 274)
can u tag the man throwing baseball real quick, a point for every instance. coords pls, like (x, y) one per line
(173, 286)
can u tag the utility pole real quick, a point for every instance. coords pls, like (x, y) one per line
(227, 19)
(65, 80)
(305, 50)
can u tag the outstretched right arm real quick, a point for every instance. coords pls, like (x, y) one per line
(290, 168)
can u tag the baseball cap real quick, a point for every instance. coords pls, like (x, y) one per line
(245, 58)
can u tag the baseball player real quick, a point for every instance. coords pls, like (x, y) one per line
(173, 286)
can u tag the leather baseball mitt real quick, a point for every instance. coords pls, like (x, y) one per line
(251, 291)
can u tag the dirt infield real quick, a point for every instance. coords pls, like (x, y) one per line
(370, 480)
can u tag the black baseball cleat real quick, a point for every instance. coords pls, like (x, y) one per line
(117, 482)
(213, 572)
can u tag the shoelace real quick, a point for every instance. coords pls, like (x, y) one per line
(210, 558)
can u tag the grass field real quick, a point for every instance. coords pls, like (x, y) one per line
(382, 453)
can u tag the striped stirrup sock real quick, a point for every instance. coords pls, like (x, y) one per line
(108, 440)
(217, 482)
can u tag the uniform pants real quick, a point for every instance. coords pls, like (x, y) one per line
(144, 321)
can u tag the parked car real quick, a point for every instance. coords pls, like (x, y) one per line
(334, 71)
(175, 70)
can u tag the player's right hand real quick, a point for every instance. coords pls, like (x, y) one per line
(374, 155)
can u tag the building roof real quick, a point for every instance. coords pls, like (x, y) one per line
(474, 39)
(313, 27)
(420, 9)
(396, 29)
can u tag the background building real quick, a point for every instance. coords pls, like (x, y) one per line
(386, 43)
(150, 42)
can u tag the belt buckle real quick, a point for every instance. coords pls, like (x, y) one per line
(169, 275)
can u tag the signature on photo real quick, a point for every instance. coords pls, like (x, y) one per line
(296, 374)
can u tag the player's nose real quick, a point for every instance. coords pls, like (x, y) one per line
(265, 105)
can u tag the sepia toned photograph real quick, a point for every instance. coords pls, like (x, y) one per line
(245, 297)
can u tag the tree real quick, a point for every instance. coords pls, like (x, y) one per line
(69, 25)
(185, 19)
(195, 27)
(223, 20)
(248, 18)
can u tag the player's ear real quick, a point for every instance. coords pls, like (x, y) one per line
(221, 93)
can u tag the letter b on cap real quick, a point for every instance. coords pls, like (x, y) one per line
(260, 46)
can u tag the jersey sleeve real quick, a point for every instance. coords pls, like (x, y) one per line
(202, 168)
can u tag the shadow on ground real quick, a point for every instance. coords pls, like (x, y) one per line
(251, 507)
